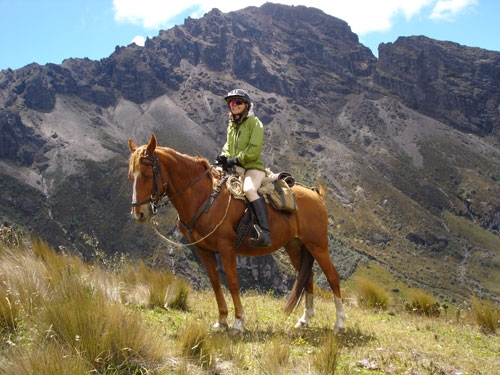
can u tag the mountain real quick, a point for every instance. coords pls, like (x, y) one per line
(406, 145)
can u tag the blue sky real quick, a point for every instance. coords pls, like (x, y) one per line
(44, 31)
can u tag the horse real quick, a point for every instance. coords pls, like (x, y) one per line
(209, 222)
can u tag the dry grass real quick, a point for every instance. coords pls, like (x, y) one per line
(165, 290)
(374, 342)
(327, 358)
(61, 316)
(70, 316)
(9, 310)
(423, 303)
(486, 314)
(371, 294)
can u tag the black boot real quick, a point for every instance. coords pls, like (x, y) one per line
(263, 236)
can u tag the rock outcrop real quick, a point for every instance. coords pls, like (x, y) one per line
(444, 80)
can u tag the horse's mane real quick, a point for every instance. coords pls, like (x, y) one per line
(135, 160)
(215, 177)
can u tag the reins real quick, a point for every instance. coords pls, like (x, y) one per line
(157, 203)
(155, 225)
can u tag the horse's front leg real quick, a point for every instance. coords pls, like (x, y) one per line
(209, 260)
(228, 258)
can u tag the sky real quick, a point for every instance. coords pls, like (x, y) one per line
(50, 31)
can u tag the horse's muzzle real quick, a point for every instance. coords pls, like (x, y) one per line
(142, 213)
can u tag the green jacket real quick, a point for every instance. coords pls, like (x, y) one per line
(244, 141)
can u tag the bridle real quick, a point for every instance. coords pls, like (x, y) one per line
(157, 175)
(158, 178)
(156, 203)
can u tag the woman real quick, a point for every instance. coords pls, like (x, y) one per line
(245, 136)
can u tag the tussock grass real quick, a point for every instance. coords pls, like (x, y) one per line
(486, 314)
(67, 317)
(70, 316)
(104, 334)
(371, 294)
(194, 344)
(141, 286)
(423, 303)
(9, 310)
(327, 358)
(275, 356)
(165, 290)
(48, 358)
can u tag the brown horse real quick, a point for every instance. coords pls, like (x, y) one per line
(188, 183)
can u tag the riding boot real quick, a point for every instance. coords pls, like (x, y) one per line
(263, 236)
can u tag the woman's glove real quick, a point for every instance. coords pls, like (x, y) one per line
(221, 160)
(231, 163)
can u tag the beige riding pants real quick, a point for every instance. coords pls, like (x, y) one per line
(251, 183)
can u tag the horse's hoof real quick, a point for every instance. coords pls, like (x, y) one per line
(301, 324)
(220, 326)
(339, 330)
(233, 332)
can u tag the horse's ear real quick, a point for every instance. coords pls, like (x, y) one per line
(131, 145)
(152, 144)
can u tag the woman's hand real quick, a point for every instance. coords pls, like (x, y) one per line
(232, 162)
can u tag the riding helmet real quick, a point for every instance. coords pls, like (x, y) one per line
(238, 94)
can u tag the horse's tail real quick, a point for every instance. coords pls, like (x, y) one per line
(320, 190)
(298, 289)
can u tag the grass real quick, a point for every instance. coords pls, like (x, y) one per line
(486, 314)
(371, 294)
(327, 359)
(9, 310)
(59, 315)
(423, 303)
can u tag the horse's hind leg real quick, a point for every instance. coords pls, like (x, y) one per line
(209, 260)
(308, 311)
(295, 250)
(322, 256)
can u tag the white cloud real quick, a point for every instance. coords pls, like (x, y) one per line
(364, 16)
(150, 14)
(139, 40)
(449, 9)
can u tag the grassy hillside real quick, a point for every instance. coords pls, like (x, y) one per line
(59, 315)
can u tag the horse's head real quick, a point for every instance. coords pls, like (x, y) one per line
(146, 176)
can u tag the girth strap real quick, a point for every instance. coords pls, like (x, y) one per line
(205, 207)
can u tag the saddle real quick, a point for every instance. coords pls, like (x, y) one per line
(276, 190)
(273, 186)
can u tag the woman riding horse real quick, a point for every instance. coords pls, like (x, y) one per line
(209, 223)
(243, 147)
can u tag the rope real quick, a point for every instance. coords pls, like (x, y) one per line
(235, 185)
(155, 225)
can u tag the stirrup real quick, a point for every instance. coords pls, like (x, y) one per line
(262, 239)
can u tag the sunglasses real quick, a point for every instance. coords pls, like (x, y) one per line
(236, 102)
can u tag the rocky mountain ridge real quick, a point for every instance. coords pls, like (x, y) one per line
(406, 145)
